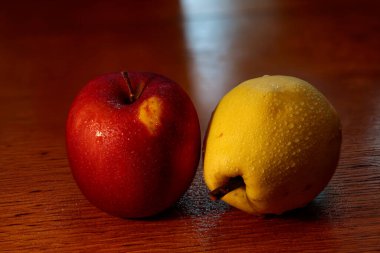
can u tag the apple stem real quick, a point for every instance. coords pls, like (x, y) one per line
(231, 185)
(131, 97)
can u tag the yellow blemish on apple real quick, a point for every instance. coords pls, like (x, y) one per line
(150, 113)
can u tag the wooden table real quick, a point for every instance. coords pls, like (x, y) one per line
(50, 49)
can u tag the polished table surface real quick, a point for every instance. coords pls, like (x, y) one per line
(50, 49)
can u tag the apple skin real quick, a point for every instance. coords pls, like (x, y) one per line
(133, 159)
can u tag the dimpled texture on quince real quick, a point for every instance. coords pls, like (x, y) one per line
(279, 134)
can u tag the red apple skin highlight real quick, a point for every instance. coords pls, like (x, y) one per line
(133, 159)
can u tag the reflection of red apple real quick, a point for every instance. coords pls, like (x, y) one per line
(133, 143)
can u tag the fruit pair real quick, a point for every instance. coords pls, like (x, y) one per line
(133, 143)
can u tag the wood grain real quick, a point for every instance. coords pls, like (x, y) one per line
(50, 49)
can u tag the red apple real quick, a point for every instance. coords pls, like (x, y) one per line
(133, 143)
